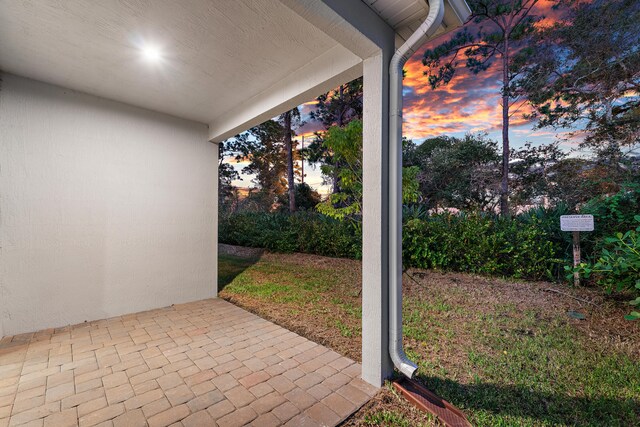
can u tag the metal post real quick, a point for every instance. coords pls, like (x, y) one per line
(302, 159)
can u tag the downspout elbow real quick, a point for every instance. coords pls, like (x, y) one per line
(417, 39)
(424, 32)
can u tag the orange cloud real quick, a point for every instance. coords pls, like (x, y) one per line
(468, 103)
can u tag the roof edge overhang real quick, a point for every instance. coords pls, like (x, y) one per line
(360, 33)
(351, 23)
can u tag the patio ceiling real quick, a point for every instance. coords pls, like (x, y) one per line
(214, 54)
(228, 63)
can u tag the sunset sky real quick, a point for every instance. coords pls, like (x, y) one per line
(469, 103)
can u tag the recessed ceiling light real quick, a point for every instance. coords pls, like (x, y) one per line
(151, 53)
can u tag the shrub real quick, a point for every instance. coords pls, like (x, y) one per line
(615, 212)
(611, 214)
(618, 268)
(548, 221)
(306, 198)
(528, 246)
(474, 243)
(414, 211)
(481, 243)
(307, 232)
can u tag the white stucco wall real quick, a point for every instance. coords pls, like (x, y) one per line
(105, 208)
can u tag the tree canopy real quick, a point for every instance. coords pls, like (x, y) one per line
(584, 74)
(497, 29)
(263, 148)
(456, 172)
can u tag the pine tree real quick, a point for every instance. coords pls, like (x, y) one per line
(497, 30)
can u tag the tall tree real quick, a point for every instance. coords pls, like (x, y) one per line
(574, 181)
(263, 149)
(584, 74)
(346, 144)
(497, 29)
(340, 106)
(534, 172)
(335, 108)
(306, 197)
(286, 120)
(226, 173)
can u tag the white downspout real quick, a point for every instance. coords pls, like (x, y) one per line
(417, 39)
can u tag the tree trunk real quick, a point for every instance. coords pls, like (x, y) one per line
(340, 118)
(339, 122)
(335, 187)
(504, 184)
(289, 147)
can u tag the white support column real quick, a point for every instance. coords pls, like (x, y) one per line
(376, 363)
(216, 198)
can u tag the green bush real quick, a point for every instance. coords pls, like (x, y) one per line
(615, 212)
(307, 232)
(482, 244)
(618, 268)
(528, 246)
(611, 214)
(475, 243)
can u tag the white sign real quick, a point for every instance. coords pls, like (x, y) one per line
(576, 222)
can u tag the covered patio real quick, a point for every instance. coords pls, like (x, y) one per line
(194, 364)
(110, 117)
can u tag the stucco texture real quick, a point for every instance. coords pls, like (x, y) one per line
(105, 209)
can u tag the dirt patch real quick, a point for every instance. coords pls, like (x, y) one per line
(389, 409)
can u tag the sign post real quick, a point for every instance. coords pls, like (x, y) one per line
(576, 224)
(576, 256)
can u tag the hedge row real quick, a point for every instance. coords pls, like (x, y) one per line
(482, 244)
(306, 232)
(528, 246)
(472, 243)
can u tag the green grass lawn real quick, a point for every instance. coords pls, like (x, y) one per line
(507, 354)
(230, 266)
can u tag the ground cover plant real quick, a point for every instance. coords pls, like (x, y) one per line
(618, 267)
(507, 353)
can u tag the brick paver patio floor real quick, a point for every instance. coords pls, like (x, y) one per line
(205, 363)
